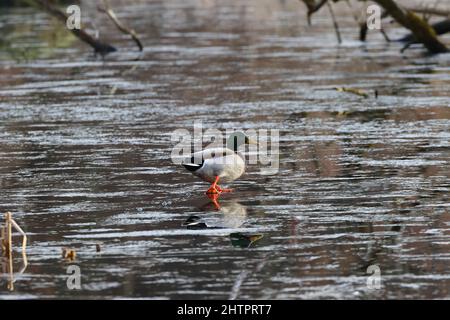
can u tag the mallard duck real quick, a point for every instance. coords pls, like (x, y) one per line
(219, 164)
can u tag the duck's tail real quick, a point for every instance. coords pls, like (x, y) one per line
(192, 166)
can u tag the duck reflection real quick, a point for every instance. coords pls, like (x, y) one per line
(243, 240)
(214, 197)
(229, 214)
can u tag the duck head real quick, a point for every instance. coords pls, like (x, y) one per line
(238, 138)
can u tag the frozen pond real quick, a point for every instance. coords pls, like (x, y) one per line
(85, 148)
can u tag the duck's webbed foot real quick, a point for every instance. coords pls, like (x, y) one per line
(214, 189)
(223, 190)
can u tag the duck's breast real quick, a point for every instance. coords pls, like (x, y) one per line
(233, 169)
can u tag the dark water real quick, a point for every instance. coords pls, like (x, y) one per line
(85, 148)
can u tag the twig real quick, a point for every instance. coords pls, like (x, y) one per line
(8, 237)
(335, 24)
(313, 7)
(24, 262)
(99, 47)
(361, 23)
(386, 37)
(119, 24)
(9, 250)
(6, 233)
(406, 46)
(354, 14)
(363, 31)
(19, 229)
(3, 238)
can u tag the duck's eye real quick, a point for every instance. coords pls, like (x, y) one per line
(213, 154)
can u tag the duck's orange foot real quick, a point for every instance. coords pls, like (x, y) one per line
(213, 190)
(224, 190)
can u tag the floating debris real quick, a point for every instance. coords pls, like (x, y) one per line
(358, 92)
(69, 254)
(6, 234)
(6, 247)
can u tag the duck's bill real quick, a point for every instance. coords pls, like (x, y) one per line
(251, 141)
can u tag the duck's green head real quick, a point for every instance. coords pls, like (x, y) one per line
(238, 138)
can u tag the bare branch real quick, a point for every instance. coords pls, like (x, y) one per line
(386, 37)
(335, 24)
(99, 47)
(19, 229)
(313, 7)
(119, 24)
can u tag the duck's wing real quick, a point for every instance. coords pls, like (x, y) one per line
(197, 159)
(214, 153)
(212, 158)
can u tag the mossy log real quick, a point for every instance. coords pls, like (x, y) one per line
(440, 27)
(421, 30)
